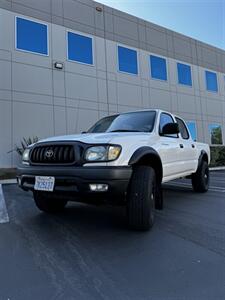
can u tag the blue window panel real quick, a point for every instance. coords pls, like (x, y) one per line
(31, 36)
(80, 48)
(127, 60)
(184, 74)
(158, 67)
(211, 81)
(193, 130)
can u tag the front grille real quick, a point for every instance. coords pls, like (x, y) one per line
(55, 154)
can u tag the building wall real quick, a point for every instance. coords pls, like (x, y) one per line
(38, 100)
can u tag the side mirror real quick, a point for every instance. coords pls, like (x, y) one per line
(170, 128)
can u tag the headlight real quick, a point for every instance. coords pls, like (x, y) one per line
(96, 154)
(102, 153)
(26, 156)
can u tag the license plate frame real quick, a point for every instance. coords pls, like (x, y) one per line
(44, 183)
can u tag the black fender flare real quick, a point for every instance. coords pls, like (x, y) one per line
(144, 151)
(201, 157)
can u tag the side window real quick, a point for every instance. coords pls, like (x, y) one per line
(80, 48)
(211, 81)
(128, 61)
(184, 74)
(183, 129)
(158, 67)
(31, 36)
(165, 119)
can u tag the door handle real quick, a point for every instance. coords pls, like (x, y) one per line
(181, 146)
(193, 146)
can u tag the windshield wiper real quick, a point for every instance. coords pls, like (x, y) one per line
(125, 130)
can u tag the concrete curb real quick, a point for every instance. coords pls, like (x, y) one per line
(217, 169)
(8, 181)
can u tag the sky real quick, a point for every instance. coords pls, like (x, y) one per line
(200, 19)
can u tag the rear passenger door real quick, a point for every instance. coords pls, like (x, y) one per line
(188, 151)
(169, 149)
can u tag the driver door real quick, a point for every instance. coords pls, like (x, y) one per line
(169, 149)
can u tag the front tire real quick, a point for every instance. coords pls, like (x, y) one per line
(141, 198)
(200, 179)
(48, 203)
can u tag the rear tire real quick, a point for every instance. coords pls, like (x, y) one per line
(141, 198)
(200, 179)
(48, 203)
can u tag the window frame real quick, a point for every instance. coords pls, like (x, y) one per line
(191, 68)
(174, 121)
(150, 68)
(34, 21)
(84, 35)
(118, 64)
(217, 82)
(196, 129)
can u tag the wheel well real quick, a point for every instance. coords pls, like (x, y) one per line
(153, 161)
(205, 157)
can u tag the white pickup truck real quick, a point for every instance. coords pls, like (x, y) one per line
(122, 159)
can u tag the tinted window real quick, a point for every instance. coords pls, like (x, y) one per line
(193, 130)
(102, 125)
(158, 67)
(183, 129)
(216, 134)
(184, 74)
(31, 36)
(211, 81)
(129, 122)
(127, 60)
(80, 48)
(165, 119)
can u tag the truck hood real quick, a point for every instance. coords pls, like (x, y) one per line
(98, 138)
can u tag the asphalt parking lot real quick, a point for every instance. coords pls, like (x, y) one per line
(87, 252)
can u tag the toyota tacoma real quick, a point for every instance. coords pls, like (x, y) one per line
(122, 159)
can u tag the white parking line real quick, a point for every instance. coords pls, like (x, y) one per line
(4, 218)
(212, 188)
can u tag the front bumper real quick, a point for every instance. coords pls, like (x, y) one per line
(75, 180)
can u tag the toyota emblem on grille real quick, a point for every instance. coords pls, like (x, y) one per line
(49, 153)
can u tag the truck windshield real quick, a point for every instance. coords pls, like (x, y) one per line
(129, 122)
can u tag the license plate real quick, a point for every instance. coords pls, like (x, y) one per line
(45, 184)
